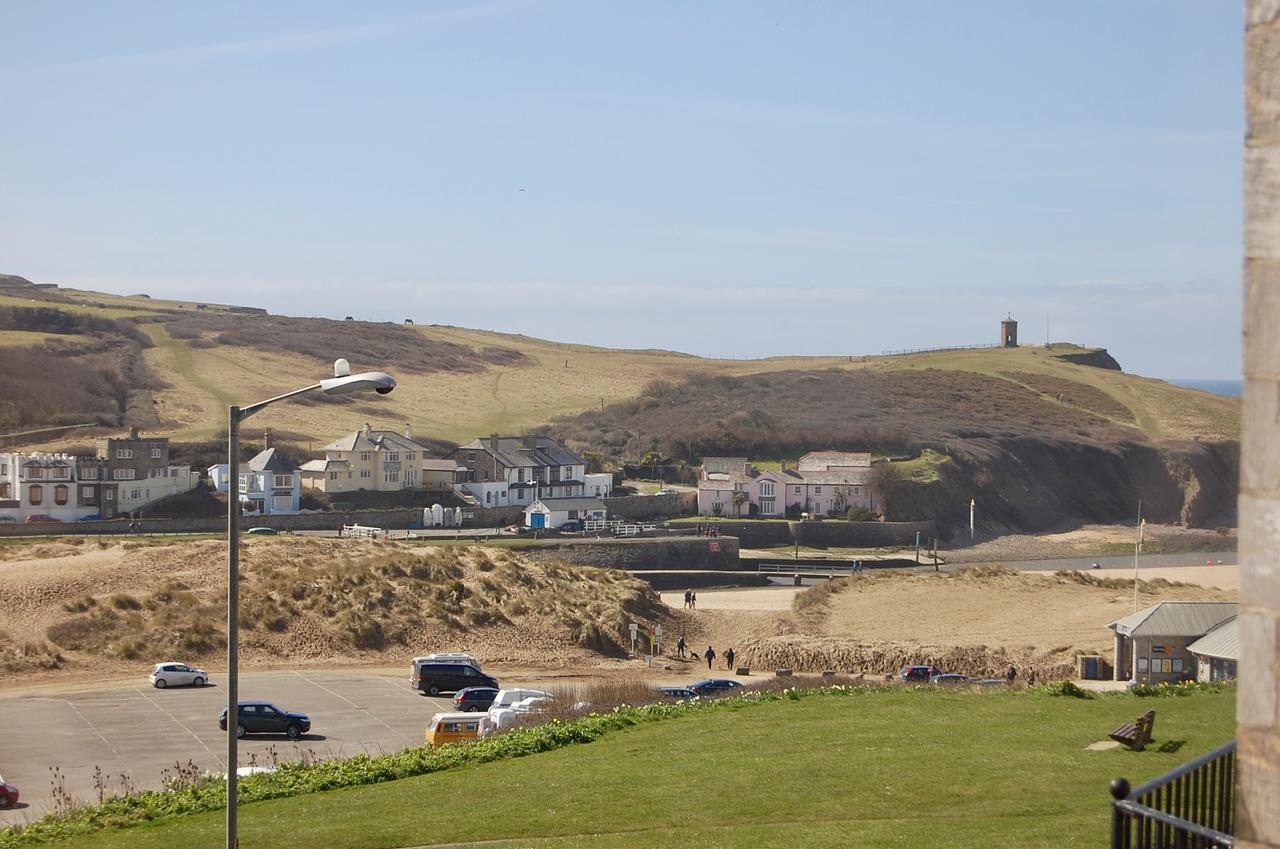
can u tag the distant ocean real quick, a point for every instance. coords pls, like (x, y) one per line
(1231, 388)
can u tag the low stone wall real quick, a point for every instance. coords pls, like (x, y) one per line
(826, 534)
(672, 553)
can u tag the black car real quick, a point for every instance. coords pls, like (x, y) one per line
(715, 686)
(266, 718)
(436, 678)
(918, 674)
(474, 699)
(677, 693)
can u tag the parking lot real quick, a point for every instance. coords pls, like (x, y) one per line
(139, 732)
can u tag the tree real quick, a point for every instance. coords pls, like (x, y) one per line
(740, 498)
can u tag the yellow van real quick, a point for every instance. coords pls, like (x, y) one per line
(452, 727)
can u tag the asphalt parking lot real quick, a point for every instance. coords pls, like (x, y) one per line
(139, 731)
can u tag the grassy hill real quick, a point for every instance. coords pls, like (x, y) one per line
(173, 367)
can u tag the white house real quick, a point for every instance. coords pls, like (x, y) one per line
(554, 512)
(61, 486)
(826, 483)
(503, 471)
(269, 483)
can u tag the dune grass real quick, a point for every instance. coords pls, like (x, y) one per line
(921, 768)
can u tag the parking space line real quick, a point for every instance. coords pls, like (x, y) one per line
(348, 701)
(179, 722)
(94, 729)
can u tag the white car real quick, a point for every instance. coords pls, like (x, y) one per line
(172, 673)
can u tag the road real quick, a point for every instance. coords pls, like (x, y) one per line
(140, 732)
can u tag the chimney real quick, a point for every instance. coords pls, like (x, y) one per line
(493, 442)
(266, 438)
(529, 441)
(368, 431)
(408, 430)
(133, 432)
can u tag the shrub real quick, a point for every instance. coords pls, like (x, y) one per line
(1068, 689)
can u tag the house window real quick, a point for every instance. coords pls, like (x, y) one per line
(797, 490)
(409, 456)
(88, 473)
(135, 494)
(122, 474)
(284, 481)
(519, 495)
(817, 490)
(86, 493)
(35, 473)
(488, 499)
(766, 489)
(393, 457)
(4, 489)
(333, 476)
(60, 473)
(520, 475)
(392, 477)
(36, 494)
(767, 506)
(124, 453)
(156, 453)
(111, 495)
(471, 457)
(365, 473)
(857, 490)
(61, 494)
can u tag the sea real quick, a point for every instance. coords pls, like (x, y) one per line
(1230, 388)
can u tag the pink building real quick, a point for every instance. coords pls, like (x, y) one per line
(825, 483)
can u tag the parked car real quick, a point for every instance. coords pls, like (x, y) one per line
(36, 518)
(435, 677)
(5, 520)
(173, 673)
(572, 525)
(677, 693)
(266, 718)
(452, 727)
(715, 686)
(474, 699)
(918, 674)
(91, 518)
(667, 491)
(950, 679)
(263, 532)
(8, 794)
(510, 696)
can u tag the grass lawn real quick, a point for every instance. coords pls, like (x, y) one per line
(910, 768)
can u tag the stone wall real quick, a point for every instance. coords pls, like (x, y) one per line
(1258, 699)
(672, 553)
(833, 533)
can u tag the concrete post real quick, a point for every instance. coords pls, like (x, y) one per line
(1258, 717)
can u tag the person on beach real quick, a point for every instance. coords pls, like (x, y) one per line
(680, 647)
(710, 656)
(688, 598)
(728, 658)
(693, 601)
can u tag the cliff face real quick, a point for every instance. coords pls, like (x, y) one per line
(1030, 484)
(1097, 359)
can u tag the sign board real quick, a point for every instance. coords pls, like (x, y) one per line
(714, 544)
(634, 630)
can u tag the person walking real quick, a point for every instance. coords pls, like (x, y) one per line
(710, 656)
(680, 646)
(1011, 674)
(728, 658)
(688, 597)
(693, 601)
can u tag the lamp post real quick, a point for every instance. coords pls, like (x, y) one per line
(343, 381)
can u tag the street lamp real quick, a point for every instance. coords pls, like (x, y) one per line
(343, 381)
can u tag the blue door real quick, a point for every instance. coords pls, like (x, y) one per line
(537, 520)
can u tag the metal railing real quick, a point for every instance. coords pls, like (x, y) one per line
(1189, 808)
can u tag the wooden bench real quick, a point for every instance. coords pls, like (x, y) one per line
(1137, 734)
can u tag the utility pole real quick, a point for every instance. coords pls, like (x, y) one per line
(972, 503)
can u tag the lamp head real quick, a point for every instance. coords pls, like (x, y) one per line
(378, 381)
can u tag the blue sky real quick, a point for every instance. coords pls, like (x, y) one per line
(725, 178)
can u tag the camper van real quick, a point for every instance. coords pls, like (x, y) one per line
(452, 727)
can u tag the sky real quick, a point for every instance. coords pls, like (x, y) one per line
(737, 179)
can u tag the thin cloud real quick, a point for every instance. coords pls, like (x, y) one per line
(292, 42)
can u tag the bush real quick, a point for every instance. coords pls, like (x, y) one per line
(860, 514)
(1068, 689)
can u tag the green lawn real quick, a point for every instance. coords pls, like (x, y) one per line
(910, 768)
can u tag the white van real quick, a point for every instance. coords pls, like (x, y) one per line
(447, 657)
(508, 698)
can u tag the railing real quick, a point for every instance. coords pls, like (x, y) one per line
(1189, 808)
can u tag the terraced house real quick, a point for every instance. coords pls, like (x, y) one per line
(378, 461)
(823, 483)
(62, 487)
(140, 466)
(517, 470)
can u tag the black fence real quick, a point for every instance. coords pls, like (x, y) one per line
(1189, 808)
